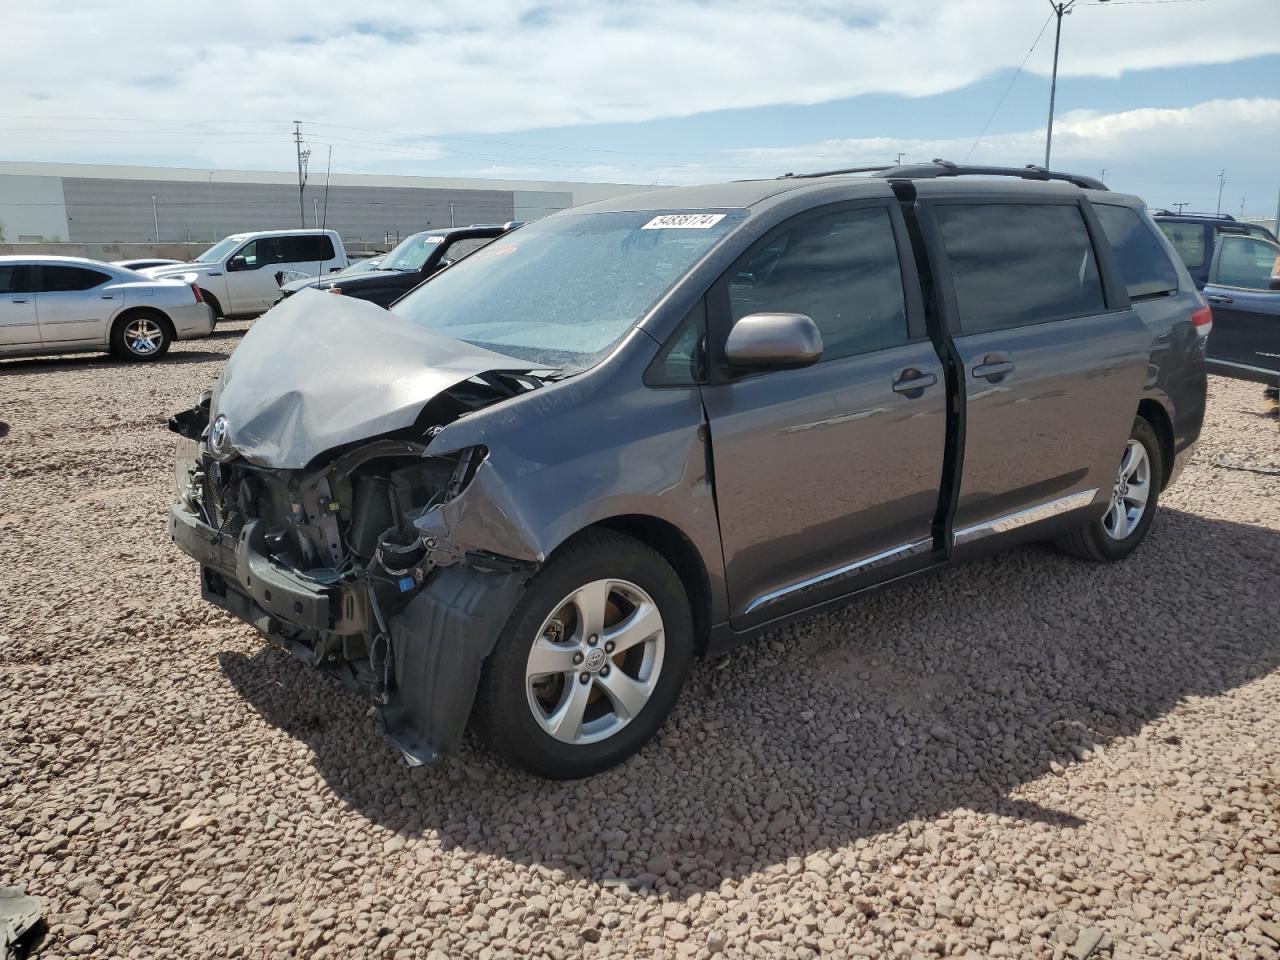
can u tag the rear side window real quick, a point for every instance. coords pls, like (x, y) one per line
(297, 249)
(1187, 239)
(1143, 261)
(1017, 264)
(58, 279)
(1245, 262)
(840, 269)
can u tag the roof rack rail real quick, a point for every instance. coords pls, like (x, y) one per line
(1188, 213)
(945, 168)
(835, 173)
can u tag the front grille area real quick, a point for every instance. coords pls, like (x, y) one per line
(220, 495)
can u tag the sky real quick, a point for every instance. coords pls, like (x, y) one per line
(1162, 95)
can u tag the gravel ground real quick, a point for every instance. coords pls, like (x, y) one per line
(1015, 758)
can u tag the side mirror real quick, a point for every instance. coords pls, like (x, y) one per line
(237, 263)
(773, 341)
(1275, 282)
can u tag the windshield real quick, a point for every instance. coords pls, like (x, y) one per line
(412, 252)
(563, 291)
(218, 250)
(367, 265)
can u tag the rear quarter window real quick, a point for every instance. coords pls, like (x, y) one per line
(1187, 239)
(1015, 264)
(1142, 257)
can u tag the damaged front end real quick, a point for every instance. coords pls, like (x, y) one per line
(375, 561)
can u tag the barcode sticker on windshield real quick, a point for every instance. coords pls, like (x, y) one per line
(684, 221)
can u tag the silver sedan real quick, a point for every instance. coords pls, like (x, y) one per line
(70, 304)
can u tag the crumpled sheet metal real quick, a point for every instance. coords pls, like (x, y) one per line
(318, 371)
(19, 915)
(483, 518)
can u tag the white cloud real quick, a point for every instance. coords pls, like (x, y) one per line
(444, 67)
(440, 67)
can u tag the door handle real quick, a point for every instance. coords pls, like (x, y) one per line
(1218, 298)
(215, 273)
(911, 382)
(19, 301)
(108, 296)
(993, 367)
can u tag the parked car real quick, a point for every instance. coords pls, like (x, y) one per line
(1195, 235)
(143, 264)
(649, 428)
(69, 305)
(237, 275)
(1244, 294)
(292, 281)
(410, 262)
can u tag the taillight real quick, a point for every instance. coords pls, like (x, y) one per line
(1203, 320)
(337, 290)
(196, 290)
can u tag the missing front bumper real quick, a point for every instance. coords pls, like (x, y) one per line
(255, 588)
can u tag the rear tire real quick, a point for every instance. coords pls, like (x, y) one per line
(1134, 500)
(141, 337)
(534, 708)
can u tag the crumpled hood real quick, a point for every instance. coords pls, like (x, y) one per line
(317, 371)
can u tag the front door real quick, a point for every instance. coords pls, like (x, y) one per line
(827, 477)
(74, 305)
(1245, 340)
(251, 276)
(1050, 370)
(19, 328)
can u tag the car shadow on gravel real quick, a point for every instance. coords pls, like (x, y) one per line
(949, 692)
(30, 365)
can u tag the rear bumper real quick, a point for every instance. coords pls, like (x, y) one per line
(194, 320)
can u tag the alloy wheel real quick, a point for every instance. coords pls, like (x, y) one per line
(1130, 493)
(143, 336)
(595, 662)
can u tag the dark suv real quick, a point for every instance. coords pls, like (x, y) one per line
(1195, 235)
(410, 262)
(647, 429)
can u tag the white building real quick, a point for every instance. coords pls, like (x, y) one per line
(108, 205)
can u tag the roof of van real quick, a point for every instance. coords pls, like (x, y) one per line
(750, 193)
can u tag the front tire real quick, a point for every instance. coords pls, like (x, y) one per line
(591, 661)
(141, 337)
(1135, 495)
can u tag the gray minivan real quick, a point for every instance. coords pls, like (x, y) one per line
(645, 429)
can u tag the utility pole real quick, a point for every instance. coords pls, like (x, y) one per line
(1103, 178)
(900, 156)
(315, 210)
(1180, 205)
(1060, 9)
(303, 155)
(451, 223)
(1222, 182)
(155, 217)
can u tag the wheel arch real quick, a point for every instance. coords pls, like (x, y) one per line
(128, 313)
(1153, 411)
(678, 550)
(214, 303)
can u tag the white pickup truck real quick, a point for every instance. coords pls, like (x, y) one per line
(239, 275)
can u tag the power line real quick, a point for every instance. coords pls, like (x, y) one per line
(1017, 73)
